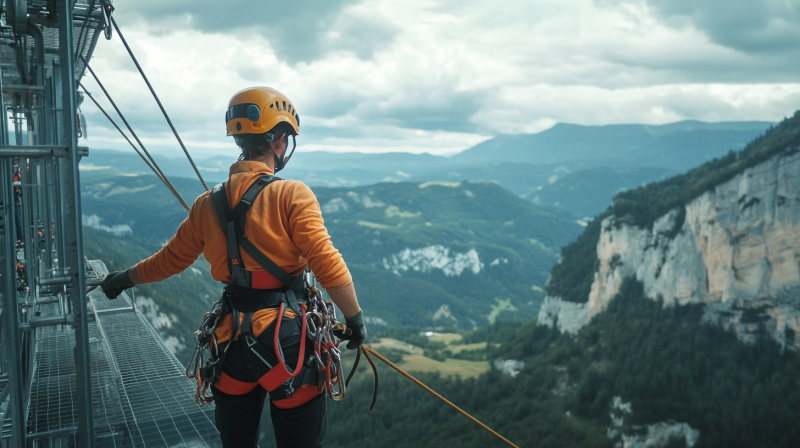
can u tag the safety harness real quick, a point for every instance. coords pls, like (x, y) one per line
(248, 293)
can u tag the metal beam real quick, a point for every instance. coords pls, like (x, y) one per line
(11, 337)
(55, 281)
(73, 218)
(22, 88)
(39, 151)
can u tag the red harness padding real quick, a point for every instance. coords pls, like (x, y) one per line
(231, 386)
(278, 374)
(264, 280)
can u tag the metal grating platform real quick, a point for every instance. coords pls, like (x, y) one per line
(140, 394)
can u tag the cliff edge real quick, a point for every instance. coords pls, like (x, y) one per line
(735, 247)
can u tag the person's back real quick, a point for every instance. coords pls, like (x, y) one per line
(259, 233)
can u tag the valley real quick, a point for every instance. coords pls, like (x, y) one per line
(555, 328)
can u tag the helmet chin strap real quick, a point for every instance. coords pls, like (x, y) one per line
(281, 162)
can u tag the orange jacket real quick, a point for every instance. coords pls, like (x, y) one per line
(285, 223)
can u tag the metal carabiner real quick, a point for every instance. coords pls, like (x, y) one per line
(107, 9)
(339, 396)
(193, 361)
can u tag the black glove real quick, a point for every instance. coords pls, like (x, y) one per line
(115, 283)
(356, 331)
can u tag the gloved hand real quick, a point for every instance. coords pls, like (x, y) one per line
(115, 283)
(356, 331)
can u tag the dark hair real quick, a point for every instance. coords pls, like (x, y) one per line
(257, 145)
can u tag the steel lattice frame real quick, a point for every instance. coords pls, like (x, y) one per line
(75, 369)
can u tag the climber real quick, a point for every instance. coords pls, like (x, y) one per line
(18, 206)
(279, 225)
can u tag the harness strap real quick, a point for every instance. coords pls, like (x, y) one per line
(235, 265)
(278, 372)
(264, 261)
(232, 223)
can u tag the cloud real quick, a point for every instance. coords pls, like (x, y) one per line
(749, 26)
(298, 31)
(435, 75)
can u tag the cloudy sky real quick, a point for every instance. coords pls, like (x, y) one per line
(439, 76)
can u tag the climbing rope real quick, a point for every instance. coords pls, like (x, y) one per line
(367, 350)
(174, 131)
(155, 170)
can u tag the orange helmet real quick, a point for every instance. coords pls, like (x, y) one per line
(257, 110)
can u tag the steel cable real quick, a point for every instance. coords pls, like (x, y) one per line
(147, 162)
(136, 137)
(432, 392)
(174, 131)
(157, 173)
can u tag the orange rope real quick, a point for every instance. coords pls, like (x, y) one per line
(432, 392)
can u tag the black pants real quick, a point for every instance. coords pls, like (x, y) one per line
(238, 418)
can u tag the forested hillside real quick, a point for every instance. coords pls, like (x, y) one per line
(428, 255)
(668, 365)
(638, 374)
(470, 251)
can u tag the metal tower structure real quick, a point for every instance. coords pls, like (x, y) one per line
(75, 369)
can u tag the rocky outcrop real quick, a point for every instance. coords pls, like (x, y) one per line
(735, 249)
(436, 257)
(569, 316)
(657, 435)
(510, 367)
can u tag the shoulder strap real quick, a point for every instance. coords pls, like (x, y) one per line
(235, 265)
(232, 223)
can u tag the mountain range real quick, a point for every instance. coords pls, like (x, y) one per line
(526, 164)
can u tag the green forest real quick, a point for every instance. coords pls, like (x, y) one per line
(664, 361)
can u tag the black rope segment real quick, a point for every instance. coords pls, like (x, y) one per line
(174, 131)
(157, 173)
(133, 133)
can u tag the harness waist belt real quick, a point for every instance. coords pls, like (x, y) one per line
(258, 301)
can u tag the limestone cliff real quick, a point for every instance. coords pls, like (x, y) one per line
(735, 248)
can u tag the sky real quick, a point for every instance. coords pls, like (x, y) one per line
(439, 76)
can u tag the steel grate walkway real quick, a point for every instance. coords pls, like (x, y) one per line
(140, 394)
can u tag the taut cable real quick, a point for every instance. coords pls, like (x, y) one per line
(174, 131)
(157, 173)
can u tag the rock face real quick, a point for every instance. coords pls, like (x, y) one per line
(658, 435)
(737, 251)
(570, 317)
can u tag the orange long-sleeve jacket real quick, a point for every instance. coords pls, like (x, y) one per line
(285, 223)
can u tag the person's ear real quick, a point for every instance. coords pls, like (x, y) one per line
(276, 144)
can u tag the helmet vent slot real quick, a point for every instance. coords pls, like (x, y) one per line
(284, 105)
